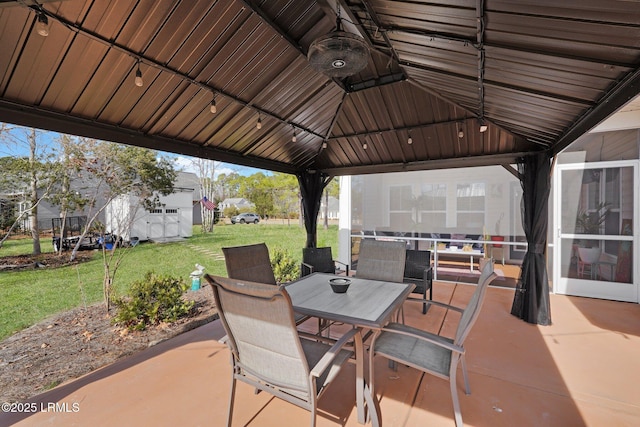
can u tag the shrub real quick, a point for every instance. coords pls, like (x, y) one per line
(285, 268)
(154, 299)
(230, 211)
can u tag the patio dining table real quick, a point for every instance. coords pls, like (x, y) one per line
(367, 305)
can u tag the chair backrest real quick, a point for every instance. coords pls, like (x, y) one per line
(249, 262)
(381, 260)
(259, 321)
(416, 262)
(321, 259)
(472, 310)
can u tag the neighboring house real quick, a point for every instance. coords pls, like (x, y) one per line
(334, 208)
(186, 185)
(47, 211)
(239, 203)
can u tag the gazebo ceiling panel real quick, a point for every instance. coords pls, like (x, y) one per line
(538, 73)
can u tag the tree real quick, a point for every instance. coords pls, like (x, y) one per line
(258, 189)
(15, 174)
(206, 170)
(115, 170)
(33, 191)
(72, 159)
(228, 185)
(332, 189)
(32, 175)
(7, 214)
(286, 194)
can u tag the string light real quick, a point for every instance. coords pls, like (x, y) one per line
(365, 146)
(259, 124)
(409, 140)
(42, 26)
(324, 145)
(213, 107)
(460, 133)
(138, 80)
(483, 126)
(294, 138)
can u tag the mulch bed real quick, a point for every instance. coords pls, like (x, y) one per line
(46, 260)
(71, 344)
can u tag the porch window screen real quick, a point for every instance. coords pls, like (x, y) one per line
(470, 205)
(432, 203)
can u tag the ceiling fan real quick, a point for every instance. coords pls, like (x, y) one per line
(338, 53)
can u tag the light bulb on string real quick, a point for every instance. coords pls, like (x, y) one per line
(259, 124)
(138, 79)
(213, 107)
(42, 24)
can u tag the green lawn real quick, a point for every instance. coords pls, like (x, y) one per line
(26, 297)
(22, 246)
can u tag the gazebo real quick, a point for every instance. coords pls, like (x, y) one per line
(325, 88)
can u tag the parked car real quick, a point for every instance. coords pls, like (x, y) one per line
(245, 218)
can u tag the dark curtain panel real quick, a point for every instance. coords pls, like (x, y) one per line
(531, 301)
(312, 184)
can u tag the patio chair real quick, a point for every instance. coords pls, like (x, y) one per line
(431, 353)
(381, 260)
(588, 260)
(252, 263)
(320, 260)
(266, 349)
(418, 270)
(249, 262)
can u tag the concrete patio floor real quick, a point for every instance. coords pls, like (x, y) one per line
(584, 370)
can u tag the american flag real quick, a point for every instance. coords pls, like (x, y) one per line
(208, 204)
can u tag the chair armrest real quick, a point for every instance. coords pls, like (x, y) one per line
(346, 266)
(428, 273)
(401, 329)
(427, 276)
(331, 354)
(447, 306)
(308, 267)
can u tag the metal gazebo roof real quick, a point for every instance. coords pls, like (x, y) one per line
(538, 73)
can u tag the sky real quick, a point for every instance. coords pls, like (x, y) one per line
(19, 147)
(185, 164)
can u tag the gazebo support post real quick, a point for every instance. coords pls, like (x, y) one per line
(531, 300)
(312, 184)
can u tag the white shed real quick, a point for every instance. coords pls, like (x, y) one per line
(125, 217)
